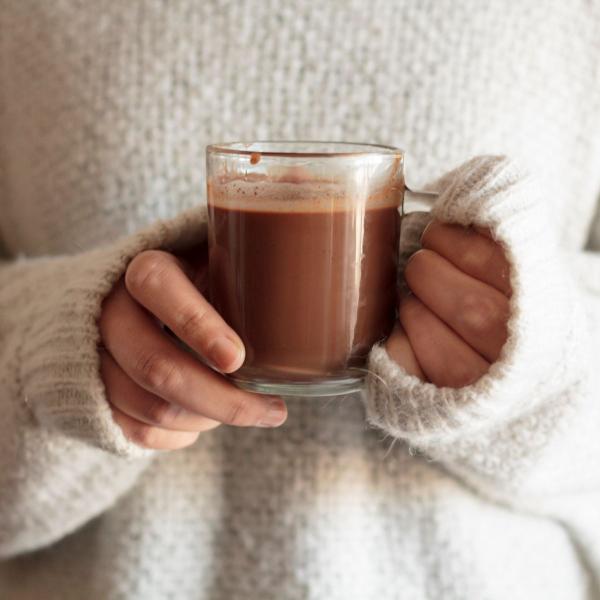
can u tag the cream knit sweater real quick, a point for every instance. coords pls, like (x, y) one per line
(491, 492)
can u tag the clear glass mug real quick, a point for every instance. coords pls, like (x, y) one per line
(303, 258)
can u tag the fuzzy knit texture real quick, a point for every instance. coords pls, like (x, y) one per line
(410, 492)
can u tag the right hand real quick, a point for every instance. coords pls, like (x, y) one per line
(160, 395)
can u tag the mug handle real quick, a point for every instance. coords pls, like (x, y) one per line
(417, 201)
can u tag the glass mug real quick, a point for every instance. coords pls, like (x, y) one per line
(303, 258)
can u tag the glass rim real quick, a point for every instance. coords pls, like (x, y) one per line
(354, 149)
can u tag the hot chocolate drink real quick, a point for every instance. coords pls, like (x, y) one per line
(306, 279)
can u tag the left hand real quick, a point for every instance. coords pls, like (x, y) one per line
(161, 395)
(454, 324)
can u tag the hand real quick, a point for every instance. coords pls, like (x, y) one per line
(454, 324)
(160, 395)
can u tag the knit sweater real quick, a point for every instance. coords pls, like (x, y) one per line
(407, 491)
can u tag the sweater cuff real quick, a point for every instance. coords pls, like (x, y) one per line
(59, 360)
(539, 356)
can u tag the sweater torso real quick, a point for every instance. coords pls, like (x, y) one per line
(106, 111)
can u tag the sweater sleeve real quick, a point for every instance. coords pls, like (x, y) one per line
(526, 433)
(63, 460)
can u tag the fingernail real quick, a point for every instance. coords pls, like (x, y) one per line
(224, 353)
(275, 415)
(410, 258)
(425, 231)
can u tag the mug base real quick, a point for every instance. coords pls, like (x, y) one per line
(301, 389)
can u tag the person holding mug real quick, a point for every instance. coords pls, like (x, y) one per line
(141, 457)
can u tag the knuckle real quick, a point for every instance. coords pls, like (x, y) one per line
(144, 435)
(479, 258)
(458, 378)
(237, 412)
(463, 376)
(472, 259)
(146, 272)
(193, 323)
(480, 313)
(158, 372)
(159, 412)
(456, 373)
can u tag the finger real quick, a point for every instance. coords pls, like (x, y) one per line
(472, 251)
(399, 348)
(148, 436)
(155, 363)
(158, 282)
(444, 357)
(148, 408)
(484, 231)
(477, 312)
